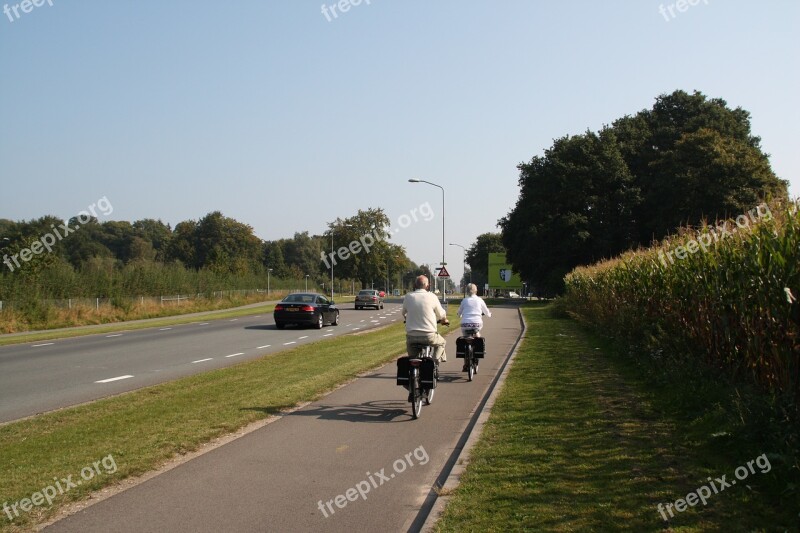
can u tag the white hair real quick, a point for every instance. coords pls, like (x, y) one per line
(472, 289)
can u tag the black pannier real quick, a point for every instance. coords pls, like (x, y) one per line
(426, 373)
(402, 371)
(478, 346)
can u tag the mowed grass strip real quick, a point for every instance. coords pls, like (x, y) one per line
(577, 442)
(186, 316)
(145, 428)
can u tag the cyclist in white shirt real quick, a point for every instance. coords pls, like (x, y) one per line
(471, 309)
(422, 310)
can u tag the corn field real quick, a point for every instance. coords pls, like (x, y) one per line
(728, 298)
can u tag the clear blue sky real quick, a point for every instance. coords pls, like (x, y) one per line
(284, 120)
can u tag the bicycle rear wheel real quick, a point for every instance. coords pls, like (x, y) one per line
(470, 363)
(416, 394)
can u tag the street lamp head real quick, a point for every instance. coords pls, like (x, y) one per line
(413, 180)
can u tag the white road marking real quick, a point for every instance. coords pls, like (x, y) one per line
(288, 343)
(114, 335)
(45, 344)
(235, 354)
(233, 320)
(109, 380)
(303, 337)
(203, 360)
(262, 347)
(327, 334)
(164, 329)
(348, 325)
(355, 329)
(203, 323)
(374, 321)
(257, 316)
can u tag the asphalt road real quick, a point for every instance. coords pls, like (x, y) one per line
(43, 376)
(353, 461)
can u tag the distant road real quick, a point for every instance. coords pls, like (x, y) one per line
(42, 376)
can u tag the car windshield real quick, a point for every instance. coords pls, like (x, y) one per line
(300, 298)
(366, 293)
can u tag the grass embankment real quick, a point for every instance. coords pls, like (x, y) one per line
(46, 317)
(143, 429)
(579, 440)
(178, 316)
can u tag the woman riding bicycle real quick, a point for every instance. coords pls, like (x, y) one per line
(470, 311)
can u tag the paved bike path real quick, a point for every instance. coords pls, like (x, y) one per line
(355, 460)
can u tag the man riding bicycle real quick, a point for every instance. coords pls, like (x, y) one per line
(422, 310)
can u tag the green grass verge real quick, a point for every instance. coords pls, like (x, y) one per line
(174, 320)
(81, 331)
(579, 440)
(143, 429)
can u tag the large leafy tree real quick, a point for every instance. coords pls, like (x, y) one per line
(576, 206)
(371, 256)
(226, 245)
(595, 195)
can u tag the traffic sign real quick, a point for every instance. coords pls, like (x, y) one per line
(443, 273)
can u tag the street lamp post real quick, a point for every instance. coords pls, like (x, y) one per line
(268, 271)
(465, 267)
(415, 180)
(306, 282)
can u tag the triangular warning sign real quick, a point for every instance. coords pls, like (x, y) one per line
(443, 273)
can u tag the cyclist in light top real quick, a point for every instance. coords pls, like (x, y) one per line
(471, 309)
(422, 311)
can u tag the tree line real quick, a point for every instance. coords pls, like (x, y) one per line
(214, 253)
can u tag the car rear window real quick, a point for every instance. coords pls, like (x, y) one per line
(302, 298)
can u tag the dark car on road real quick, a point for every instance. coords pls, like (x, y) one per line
(369, 298)
(306, 308)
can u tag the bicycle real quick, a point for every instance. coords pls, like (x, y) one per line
(419, 373)
(422, 378)
(471, 348)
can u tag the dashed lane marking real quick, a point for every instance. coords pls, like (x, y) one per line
(118, 378)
